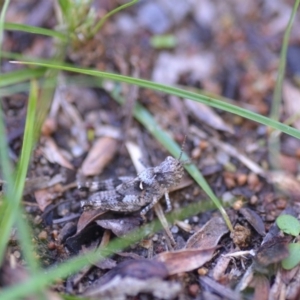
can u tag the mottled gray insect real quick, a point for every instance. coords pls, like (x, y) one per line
(142, 192)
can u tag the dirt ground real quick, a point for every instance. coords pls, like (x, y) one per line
(229, 50)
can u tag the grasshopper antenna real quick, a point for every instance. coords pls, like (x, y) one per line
(182, 147)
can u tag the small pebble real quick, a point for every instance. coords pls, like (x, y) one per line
(229, 179)
(261, 130)
(51, 246)
(196, 153)
(37, 220)
(241, 179)
(298, 153)
(237, 205)
(194, 290)
(184, 226)
(202, 271)
(203, 145)
(281, 203)
(17, 254)
(270, 218)
(253, 180)
(229, 182)
(196, 191)
(152, 16)
(155, 238)
(227, 197)
(49, 126)
(222, 158)
(237, 120)
(146, 244)
(54, 234)
(230, 167)
(195, 219)
(174, 229)
(253, 200)
(43, 235)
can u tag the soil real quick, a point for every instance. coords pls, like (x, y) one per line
(227, 50)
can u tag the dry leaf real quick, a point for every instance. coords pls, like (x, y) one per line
(100, 155)
(54, 154)
(185, 260)
(120, 226)
(104, 262)
(87, 217)
(44, 197)
(13, 273)
(273, 251)
(293, 287)
(261, 286)
(83, 238)
(199, 248)
(219, 271)
(278, 287)
(223, 291)
(209, 235)
(286, 182)
(132, 277)
(254, 220)
(207, 115)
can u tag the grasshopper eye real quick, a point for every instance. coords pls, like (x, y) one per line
(141, 185)
(160, 177)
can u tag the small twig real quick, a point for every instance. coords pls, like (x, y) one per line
(161, 216)
(240, 253)
(66, 219)
(233, 152)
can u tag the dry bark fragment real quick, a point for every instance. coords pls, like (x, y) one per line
(100, 155)
(54, 154)
(273, 251)
(185, 260)
(254, 220)
(209, 235)
(132, 277)
(206, 114)
(199, 248)
(120, 226)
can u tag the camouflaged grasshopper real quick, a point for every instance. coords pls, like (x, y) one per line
(128, 194)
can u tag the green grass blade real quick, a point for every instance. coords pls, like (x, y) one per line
(20, 75)
(12, 90)
(5, 163)
(281, 71)
(17, 56)
(44, 83)
(28, 140)
(178, 92)
(35, 30)
(2, 18)
(274, 142)
(26, 243)
(65, 7)
(99, 25)
(15, 186)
